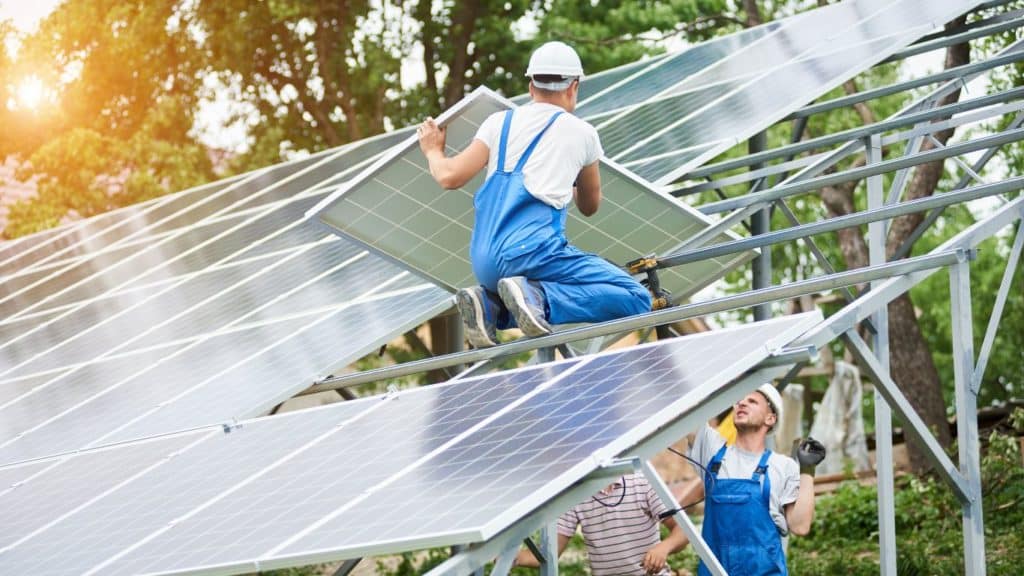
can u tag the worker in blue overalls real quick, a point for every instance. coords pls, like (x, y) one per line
(753, 497)
(539, 159)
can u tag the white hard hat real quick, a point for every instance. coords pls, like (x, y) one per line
(775, 399)
(555, 59)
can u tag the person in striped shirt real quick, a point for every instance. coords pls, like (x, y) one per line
(620, 526)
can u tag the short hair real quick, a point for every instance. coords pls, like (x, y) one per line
(549, 79)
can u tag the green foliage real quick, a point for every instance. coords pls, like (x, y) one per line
(928, 522)
(83, 172)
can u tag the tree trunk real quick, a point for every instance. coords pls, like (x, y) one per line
(911, 364)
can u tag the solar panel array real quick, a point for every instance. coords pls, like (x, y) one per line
(208, 305)
(727, 90)
(217, 303)
(447, 464)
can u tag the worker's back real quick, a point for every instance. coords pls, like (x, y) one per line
(565, 149)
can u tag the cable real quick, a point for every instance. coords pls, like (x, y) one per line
(669, 513)
(621, 496)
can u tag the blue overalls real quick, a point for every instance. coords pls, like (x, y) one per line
(737, 525)
(515, 234)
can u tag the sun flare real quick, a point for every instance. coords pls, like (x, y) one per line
(31, 93)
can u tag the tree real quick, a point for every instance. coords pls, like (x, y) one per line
(120, 133)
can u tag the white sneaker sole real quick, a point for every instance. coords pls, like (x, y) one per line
(515, 301)
(473, 319)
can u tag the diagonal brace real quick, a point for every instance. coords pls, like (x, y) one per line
(913, 424)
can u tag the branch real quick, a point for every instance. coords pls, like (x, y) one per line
(699, 23)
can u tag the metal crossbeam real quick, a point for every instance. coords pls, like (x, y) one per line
(804, 186)
(846, 221)
(887, 125)
(920, 264)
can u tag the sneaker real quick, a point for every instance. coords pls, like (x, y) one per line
(525, 300)
(478, 312)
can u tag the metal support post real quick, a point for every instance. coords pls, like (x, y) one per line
(883, 415)
(997, 309)
(761, 223)
(347, 567)
(504, 563)
(912, 423)
(546, 354)
(967, 416)
(549, 546)
(696, 540)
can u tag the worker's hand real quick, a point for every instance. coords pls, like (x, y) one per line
(808, 454)
(655, 559)
(431, 137)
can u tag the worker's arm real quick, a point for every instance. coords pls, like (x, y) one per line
(454, 172)
(526, 558)
(656, 557)
(588, 189)
(800, 514)
(689, 492)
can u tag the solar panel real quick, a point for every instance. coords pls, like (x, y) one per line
(667, 72)
(397, 210)
(462, 460)
(773, 75)
(205, 306)
(218, 462)
(537, 448)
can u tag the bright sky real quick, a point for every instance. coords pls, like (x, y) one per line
(26, 13)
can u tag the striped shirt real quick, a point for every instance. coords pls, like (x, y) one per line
(618, 535)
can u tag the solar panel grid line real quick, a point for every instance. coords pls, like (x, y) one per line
(198, 341)
(134, 278)
(674, 153)
(241, 283)
(199, 437)
(12, 477)
(673, 69)
(31, 246)
(370, 451)
(777, 116)
(151, 297)
(92, 227)
(326, 239)
(185, 391)
(479, 425)
(141, 210)
(318, 159)
(239, 486)
(227, 190)
(14, 389)
(58, 274)
(162, 496)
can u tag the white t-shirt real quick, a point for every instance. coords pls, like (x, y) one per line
(783, 471)
(568, 146)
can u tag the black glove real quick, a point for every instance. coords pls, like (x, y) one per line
(808, 454)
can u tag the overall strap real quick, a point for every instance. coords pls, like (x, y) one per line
(503, 141)
(762, 470)
(533, 144)
(716, 462)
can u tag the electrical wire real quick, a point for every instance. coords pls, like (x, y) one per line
(621, 496)
(669, 513)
